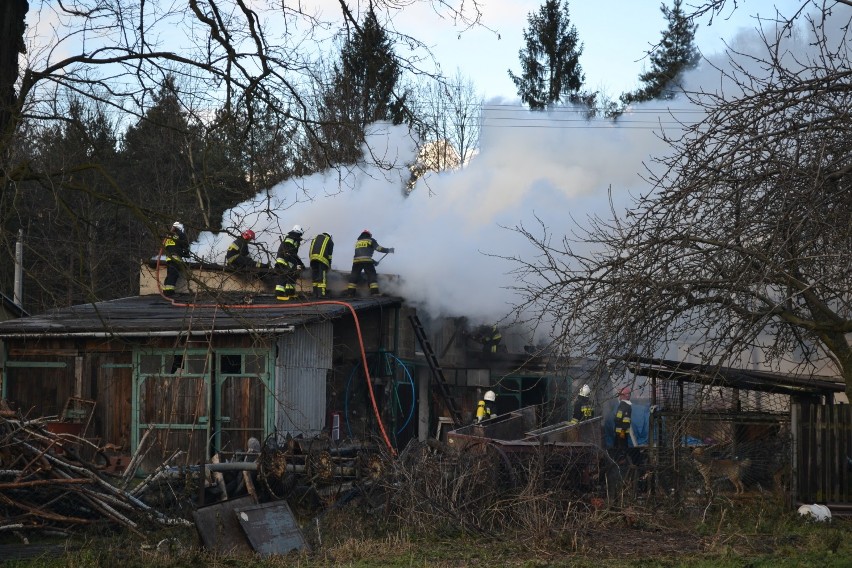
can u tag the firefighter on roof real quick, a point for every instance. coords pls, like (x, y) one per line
(288, 264)
(176, 247)
(237, 255)
(321, 249)
(490, 338)
(365, 246)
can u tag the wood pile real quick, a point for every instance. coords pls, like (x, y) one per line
(45, 484)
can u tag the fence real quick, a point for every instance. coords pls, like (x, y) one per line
(823, 457)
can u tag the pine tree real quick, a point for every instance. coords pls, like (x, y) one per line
(78, 246)
(675, 55)
(550, 63)
(193, 176)
(362, 90)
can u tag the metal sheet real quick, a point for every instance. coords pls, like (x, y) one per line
(304, 361)
(219, 529)
(271, 528)
(308, 347)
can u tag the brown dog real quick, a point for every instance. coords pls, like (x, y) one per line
(712, 469)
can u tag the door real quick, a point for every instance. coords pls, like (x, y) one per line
(242, 398)
(171, 402)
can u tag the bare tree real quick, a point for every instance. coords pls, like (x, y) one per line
(227, 55)
(450, 117)
(742, 247)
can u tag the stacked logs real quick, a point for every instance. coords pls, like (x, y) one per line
(44, 484)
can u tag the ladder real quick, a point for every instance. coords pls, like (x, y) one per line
(439, 384)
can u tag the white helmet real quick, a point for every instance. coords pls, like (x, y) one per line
(585, 390)
(178, 225)
(298, 229)
(490, 396)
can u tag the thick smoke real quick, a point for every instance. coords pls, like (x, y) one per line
(451, 231)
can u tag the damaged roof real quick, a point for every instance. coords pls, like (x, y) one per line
(750, 379)
(153, 314)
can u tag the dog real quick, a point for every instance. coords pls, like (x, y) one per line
(712, 469)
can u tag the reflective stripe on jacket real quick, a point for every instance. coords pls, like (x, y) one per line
(237, 248)
(288, 252)
(364, 249)
(176, 246)
(322, 248)
(622, 417)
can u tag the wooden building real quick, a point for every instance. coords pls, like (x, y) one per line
(204, 372)
(224, 362)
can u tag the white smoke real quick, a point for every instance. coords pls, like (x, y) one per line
(451, 230)
(446, 230)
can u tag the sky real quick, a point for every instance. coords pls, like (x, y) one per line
(616, 34)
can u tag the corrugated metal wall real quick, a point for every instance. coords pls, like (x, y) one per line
(301, 370)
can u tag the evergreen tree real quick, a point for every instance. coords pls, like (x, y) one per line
(160, 151)
(550, 63)
(362, 90)
(72, 220)
(675, 54)
(169, 156)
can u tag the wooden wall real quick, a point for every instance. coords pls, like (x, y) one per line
(823, 439)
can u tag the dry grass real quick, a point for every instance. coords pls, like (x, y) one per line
(474, 508)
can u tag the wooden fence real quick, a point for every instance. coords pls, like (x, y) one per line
(823, 453)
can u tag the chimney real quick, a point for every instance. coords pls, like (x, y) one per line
(19, 261)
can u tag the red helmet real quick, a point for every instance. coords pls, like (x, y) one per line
(367, 233)
(248, 235)
(624, 393)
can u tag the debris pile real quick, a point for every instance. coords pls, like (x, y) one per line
(45, 484)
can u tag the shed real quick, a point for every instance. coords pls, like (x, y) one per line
(203, 375)
(779, 422)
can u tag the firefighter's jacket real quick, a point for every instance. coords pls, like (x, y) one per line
(364, 249)
(622, 418)
(490, 337)
(583, 409)
(483, 411)
(288, 252)
(238, 248)
(176, 245)
(321, 249)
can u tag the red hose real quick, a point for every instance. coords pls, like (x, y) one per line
(308, 303)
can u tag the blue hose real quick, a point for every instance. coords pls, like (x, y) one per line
(346, 396)
(413, 396)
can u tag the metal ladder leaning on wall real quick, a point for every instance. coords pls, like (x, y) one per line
(439, 383)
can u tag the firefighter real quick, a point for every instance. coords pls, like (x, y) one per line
(365, 246)
(490, 338)
(622, 418)
(583, 409)
(176, 247)
(288, 264)
(237, 255)
(486, 408)
(321, 249)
